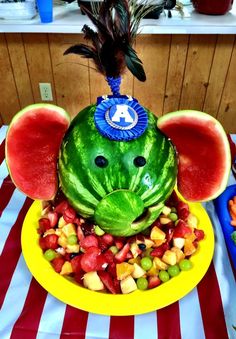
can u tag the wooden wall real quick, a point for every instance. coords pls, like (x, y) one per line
(183, 71)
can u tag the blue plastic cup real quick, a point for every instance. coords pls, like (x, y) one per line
(45, 8)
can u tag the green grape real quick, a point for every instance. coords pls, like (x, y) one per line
(185, 265)
(146, 263)
(142, 283)
(173, 216)
(49, 254)
(72, 239)
(164, 276)
(173, 270)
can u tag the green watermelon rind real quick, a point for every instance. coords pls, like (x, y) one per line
(207, 117)
(17, 117)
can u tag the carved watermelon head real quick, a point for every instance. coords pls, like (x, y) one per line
(122, 185)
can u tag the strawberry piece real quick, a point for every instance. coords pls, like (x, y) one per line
(42, 244)
(44, 225)
(160, 250)
(102, 244)
(181, 230)
(61, 207)
(130, 255)
(153, 281)
(69, 215)
(53, 218)
(122, 254)
(119, 242)
(199, 234)
(51, 241)
(108, 239)
(89, 241)
(79, 277)
(57, 264)
(76, 263)
(169, 234)
(111, 268)
(182, 210)
(109, 256)
(107, 281)
(80, 234)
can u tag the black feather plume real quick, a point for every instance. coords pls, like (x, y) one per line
(117, 23)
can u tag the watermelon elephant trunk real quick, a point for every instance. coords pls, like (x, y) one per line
(123, 213)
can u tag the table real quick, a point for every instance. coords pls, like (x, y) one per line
(27, 311)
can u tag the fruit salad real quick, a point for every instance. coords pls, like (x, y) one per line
(99, 261)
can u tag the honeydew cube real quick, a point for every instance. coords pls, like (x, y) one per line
(138, 271)
(92, 281)
(157, 234)
(69, 229)
(178, 242)
(159, 264)
(72, 248)
(179, 254)
(66, 268)
(128, 285)
(169, 257)
(166, 210)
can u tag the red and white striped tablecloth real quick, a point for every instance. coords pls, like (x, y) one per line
(27, 311)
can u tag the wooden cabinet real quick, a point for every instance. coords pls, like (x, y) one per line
(183, 72)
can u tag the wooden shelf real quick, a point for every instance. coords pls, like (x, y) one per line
(68, 19)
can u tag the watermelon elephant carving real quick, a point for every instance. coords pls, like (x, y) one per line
(116, 163)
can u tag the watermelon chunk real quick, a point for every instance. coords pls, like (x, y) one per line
(203, 150)
(32, 147)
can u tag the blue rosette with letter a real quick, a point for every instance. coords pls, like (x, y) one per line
(120, 118)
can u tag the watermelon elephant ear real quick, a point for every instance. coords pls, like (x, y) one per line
(32, 147)
(203, 151)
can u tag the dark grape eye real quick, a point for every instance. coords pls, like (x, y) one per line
(139, 161)
(100, 161)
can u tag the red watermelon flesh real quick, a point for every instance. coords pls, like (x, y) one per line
(32, 148)
(204, 153)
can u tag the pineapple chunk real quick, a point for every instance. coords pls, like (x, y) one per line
(169, 257)
(189, 247)
(138, 271)
(178, 242)
(50, 231)
(92, 281)
(166, 210)
(157, 234)
(135, 250)
(158, 242)
(58, 232)
(164, 220)
(123, 270)
(134, 260)
(179, 253)
(69, 229)
(153, 271)
(61, 222)
(192, 221)
(148, 242)
(128, 285)
(62, 241)
(159, 264)
(72, 248)
(66, 268)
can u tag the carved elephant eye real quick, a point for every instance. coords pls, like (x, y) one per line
(101, 161)
(139, 161)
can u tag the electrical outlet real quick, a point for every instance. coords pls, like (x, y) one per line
(45, 91)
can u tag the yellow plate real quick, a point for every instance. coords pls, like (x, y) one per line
(127, 304)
